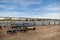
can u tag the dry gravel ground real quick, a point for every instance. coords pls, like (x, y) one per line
(41, 33)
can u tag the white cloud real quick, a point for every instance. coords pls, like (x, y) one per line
(2, 6)
(12, 14)
(53, 11)
(25, 2)
(3, 0)
(9, 14)
(21, 4)
(28, 3)
(10, 8)
(52, 7)
(52, 15)
(48, 15)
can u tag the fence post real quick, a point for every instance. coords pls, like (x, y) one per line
(34, 23)
(59, 22)
(23, 24)
(49, 23)
(42, 23)
(54, 23)
(0, 26)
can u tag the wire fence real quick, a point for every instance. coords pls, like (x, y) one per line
(31, 23)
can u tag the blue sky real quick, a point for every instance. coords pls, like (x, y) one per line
(30, 8)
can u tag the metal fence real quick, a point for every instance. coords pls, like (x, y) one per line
(31, 23)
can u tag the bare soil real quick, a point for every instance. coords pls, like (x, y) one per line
(41, 33)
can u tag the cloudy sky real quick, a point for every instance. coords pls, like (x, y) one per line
(30, 8)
